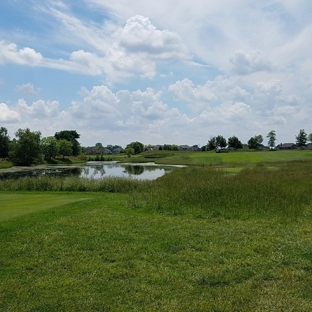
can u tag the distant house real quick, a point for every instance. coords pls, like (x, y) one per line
(107, 151)
(286, 146)
(193, 148)
(262, 147)
(185, 147)
(117, 150)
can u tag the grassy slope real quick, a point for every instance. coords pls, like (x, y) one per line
(212, 158)
(99, 255)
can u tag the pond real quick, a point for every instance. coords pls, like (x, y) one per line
(91, 170)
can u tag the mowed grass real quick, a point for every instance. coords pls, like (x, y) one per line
(17, 204)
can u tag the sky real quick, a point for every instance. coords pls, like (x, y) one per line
(158, 72)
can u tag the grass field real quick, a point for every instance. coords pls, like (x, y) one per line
(213, 158)
(207, 238)
(14, 205)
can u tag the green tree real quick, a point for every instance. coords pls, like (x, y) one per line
(167, 147)
(71, 136)
(310, 137)
(254, 142)
(129, 151)
(234, 142)
(272, 138)
(25, 150)
(4, 143)
(301, 138)
(138, 147)
(65, 147)
(211, 145)
(49, 147)
(220, 141)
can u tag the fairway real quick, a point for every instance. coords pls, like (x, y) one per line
(17, 204)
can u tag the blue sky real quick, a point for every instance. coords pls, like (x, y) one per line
(175, 72)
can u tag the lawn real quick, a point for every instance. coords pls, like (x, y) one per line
(14, 205)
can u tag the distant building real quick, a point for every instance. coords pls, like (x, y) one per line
(185, 147)
(193, 148)
(286, 146)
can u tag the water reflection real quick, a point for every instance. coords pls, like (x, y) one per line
(96, 170)
(90, 170)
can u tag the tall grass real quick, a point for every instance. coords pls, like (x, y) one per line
(206, 192)
(75, 184)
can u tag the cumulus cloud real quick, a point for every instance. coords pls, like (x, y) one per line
(247, 63)
(186, 91)
(227, 113)
(39, 109)
(7, 115)
(27, 90)
(88, 63)
(140, 36)
(139, 44)
(212, 93)
(103, 108)
(267, 94)
(26, 56)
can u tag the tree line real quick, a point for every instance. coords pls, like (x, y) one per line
(219, 142)
(29, 147)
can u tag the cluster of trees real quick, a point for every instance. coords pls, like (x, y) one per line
(134, 148)
(220, 142)
(29, 147)
(302, 138)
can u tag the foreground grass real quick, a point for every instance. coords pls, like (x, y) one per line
(98, 255)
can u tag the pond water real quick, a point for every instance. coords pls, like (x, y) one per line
(91, 170)
(99, 170)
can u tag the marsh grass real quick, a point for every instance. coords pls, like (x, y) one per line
(71, 184)
(258, 191)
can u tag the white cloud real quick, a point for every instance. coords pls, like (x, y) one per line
(39, 109)
(88, 63)
(140, 36)
(248, 63)
(7, 115)
(25, 56)
(139, 45)
(212, 93)
(27, 90)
